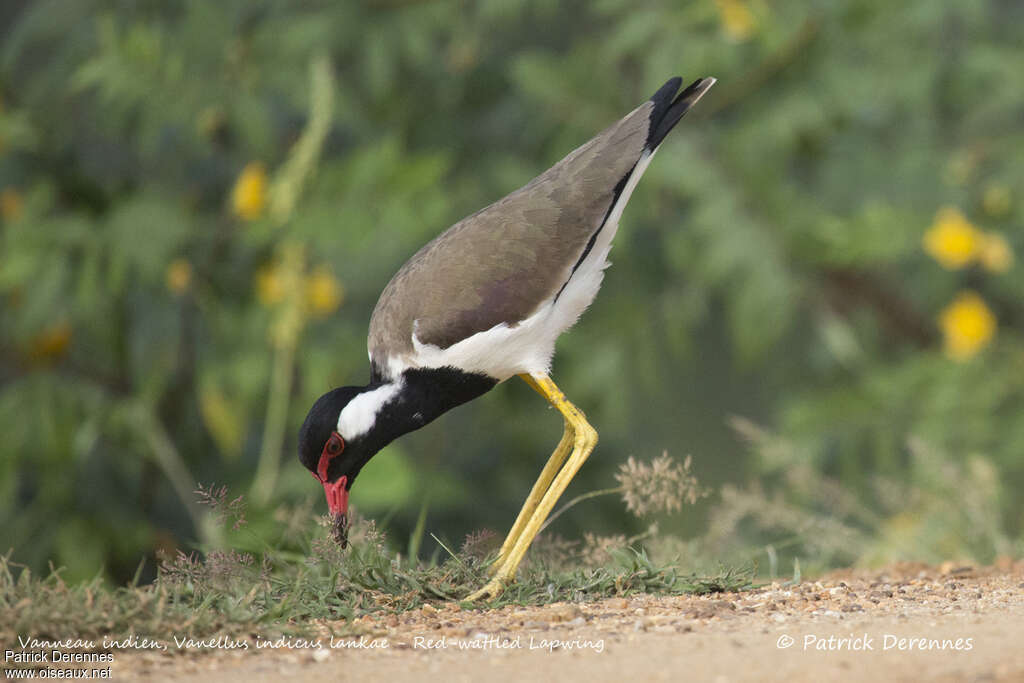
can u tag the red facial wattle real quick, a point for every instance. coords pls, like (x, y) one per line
(337, 492)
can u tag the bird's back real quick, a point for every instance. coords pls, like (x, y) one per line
(504, 262)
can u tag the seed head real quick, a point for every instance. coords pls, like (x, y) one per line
(662, 485)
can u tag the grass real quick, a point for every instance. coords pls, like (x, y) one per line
(282, 573)
(309, 583)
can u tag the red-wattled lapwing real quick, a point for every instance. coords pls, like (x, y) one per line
(485, 301)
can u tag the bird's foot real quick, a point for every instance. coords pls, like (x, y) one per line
(490, 591)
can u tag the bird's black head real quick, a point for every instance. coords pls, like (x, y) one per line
(335, 443)
(348, 426)
(325, 453)
(321, 422)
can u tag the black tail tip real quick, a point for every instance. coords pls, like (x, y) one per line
(666, 95)
(667, 92)
(697, 89)
(669, 107)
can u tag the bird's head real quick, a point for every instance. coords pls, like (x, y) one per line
(342, 431)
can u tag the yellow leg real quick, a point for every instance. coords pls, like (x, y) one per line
(547, 475)
(584, 438)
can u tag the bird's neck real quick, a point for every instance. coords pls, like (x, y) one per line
(387, 409)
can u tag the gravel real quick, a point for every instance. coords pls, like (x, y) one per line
(723, 637)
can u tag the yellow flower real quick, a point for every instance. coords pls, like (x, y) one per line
(52, 342)
(249, 198)
(11, 204)
(323, 292)
(178, 275)
(952, 240)
(995, 253)
(996, 200)
(967, 326)
(269, 285)
(223, 418)
(738, 21)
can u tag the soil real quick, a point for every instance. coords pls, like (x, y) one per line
(905, 622)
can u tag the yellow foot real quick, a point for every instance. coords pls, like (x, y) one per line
(491, 591)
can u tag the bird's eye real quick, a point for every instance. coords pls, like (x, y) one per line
(335, 445)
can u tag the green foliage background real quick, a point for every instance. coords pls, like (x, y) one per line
(769, 265)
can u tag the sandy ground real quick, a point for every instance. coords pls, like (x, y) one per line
(909, 622)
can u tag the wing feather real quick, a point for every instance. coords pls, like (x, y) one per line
(502, 263)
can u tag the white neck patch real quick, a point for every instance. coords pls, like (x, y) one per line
(358, 416)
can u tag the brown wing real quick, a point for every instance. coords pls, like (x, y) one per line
(500, 264)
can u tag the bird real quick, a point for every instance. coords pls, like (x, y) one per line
(484, 302)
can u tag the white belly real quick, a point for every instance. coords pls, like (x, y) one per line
(504, 351)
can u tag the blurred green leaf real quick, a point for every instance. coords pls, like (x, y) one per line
(769, 265)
